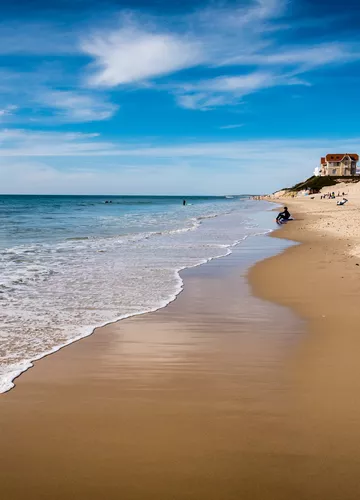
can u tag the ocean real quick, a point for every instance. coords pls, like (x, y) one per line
(69, 264)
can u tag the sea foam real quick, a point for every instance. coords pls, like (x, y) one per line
(54, 291)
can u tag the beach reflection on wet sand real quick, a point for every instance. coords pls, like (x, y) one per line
(190, 402)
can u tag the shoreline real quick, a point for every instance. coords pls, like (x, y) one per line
(8, 383)
(245, 386)
(156, 397)
(48, 328)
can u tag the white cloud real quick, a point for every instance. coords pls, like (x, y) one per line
(49, 162)
(141, 50)
(226, 90)
(7, 111)
(131, 54)
(137, 50)
(231, 166)
(78, 106)
(18, 142)
(268, 154)
(241, 83)
(309, 56)
(202, 100)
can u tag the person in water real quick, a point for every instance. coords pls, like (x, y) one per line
(283, 216)
(184, 203)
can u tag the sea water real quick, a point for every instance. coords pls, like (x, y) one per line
(71, 263)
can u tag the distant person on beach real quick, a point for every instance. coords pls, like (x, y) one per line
(342, 202)
(283, 216)
(184, 203)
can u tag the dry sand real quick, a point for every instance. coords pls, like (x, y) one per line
(320, 280)
(218, 396)
(342, 222)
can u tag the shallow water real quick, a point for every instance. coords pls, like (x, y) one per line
(71, 263)
(190, 402)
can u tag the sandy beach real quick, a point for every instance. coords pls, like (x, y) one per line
(247, 386)
(319, 280)
(323, 217)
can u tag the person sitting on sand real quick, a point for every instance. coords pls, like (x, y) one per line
(283, 216)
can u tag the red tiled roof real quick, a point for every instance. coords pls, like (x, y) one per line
(339, 157)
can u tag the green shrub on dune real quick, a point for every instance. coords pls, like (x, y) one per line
(316, 183)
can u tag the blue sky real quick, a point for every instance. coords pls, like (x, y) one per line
(159, 97)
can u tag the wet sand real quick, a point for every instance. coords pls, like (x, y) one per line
(185, 403)
(220, 395)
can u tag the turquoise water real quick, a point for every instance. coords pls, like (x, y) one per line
(25, 219)
(71, 263)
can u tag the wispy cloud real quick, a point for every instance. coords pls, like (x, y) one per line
(211, 57)
(7, 111)
(21, 142)
(230, 127)
(228, 90)
(29, 163)
(242, 38)
(70, 106)
(140, 49)
(202, 100)
(302, 58)
(132, 54)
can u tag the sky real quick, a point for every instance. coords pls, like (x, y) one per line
(180, 97)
